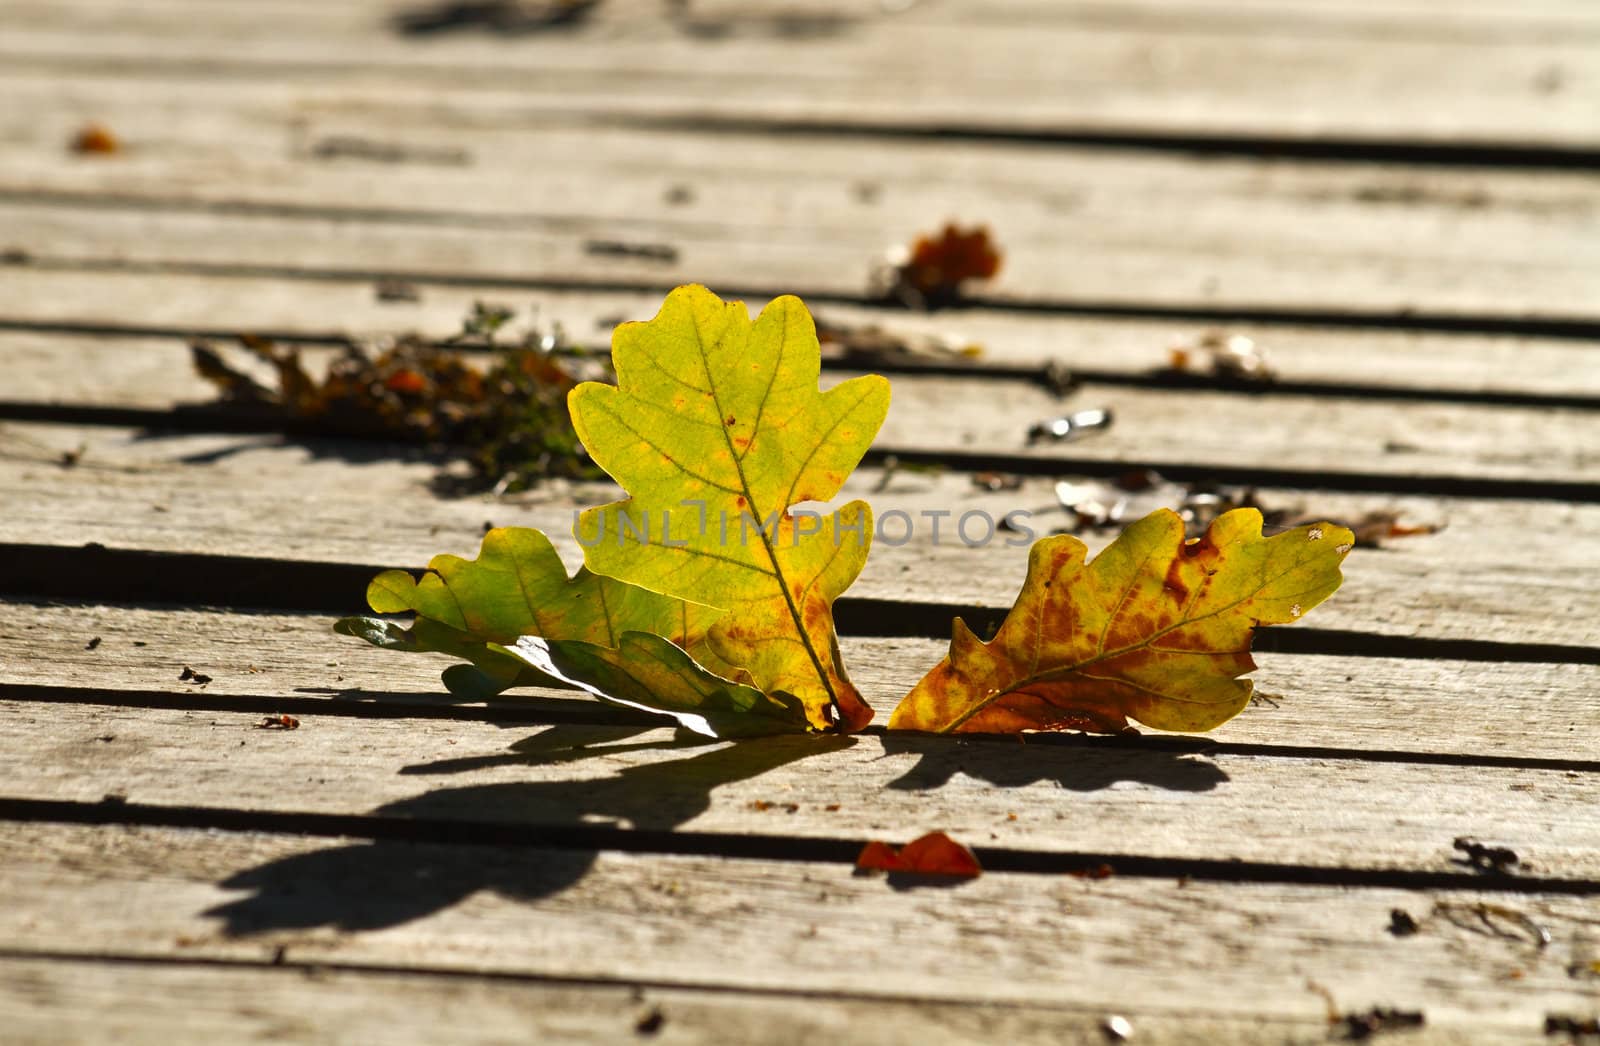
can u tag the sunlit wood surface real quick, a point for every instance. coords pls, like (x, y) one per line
(1397, 201)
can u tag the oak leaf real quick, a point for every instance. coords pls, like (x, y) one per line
(1157, 628)
(716, 428)
(940, 264)
(518, 587)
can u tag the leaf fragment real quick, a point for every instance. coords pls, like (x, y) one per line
(717, 429)
(930, 273)
(1157, 628)
(648, 672)
(95, 138)
(932, 854)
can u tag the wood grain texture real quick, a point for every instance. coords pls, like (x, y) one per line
(1316, 810)
(1183, 955)
(1174, 69)
(1077, 224)
(1406, 166)
(1352, 704)
(156, 1000)
(1080, 227)
(1525, 566)
(44, 314)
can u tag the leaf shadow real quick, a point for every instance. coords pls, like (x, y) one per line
(905, 882)
(379, 884)
(562, 743)
(1085, 767)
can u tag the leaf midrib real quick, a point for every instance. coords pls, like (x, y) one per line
(738, 465)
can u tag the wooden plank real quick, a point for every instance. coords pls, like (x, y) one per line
(1087, 227)
(158, 1000)
(1193, 958)
(1196, 429)
(1524, 566)
(1191, 814)
(1472, 711)
(1156, 70)
(1505, 21)
(128, 307)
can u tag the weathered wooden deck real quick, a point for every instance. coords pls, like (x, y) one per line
(1399, 201)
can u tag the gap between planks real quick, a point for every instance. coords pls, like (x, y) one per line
(1189, 434)
(1455, 712)
(122, 355)
(214, 419)
(1405, 322)
(215, 506)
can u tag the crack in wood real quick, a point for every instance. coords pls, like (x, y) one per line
(136, 577)
(818, 850)
(1043, 375)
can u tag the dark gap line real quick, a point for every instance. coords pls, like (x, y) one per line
(580, 711)
(1553, 327)
(553, 223)
(366, 704)
(1440, 485)
(94, 329)
(198, 418)
(1189, 744)
(238, 419)
(1348, 149)
(96, 573)
(1334, 148)
(818, 850)
(1050, 376)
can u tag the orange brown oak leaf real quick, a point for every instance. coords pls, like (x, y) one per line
(931, 854)
(1155, 628)
(943, 263)
(716, 428)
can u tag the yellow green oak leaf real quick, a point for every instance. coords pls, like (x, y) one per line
(1156, 628)
(716, 429)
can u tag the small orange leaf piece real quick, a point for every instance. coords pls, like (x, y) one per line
(1157, 628)
(939, 265)
(95, 138)
(931, 854)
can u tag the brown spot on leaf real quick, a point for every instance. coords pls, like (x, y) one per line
(1174, 583)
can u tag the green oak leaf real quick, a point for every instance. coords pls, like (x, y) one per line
(518, 586)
